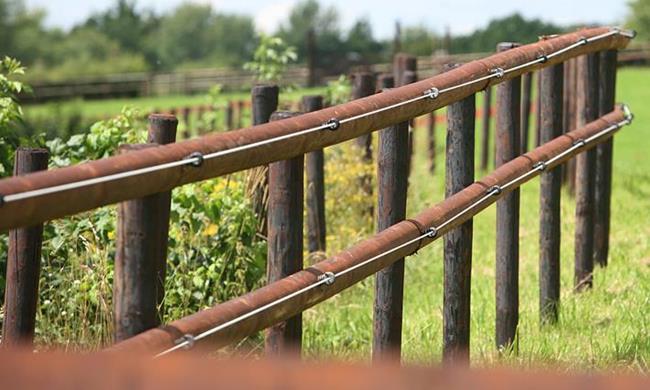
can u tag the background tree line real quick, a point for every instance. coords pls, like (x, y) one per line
(125, 38)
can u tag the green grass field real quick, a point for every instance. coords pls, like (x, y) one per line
(606, 327)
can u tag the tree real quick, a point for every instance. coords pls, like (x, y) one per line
(124, 24)
(418, 41)
(361, 45)
(307, 15)
(195, 34)
(639, 18)
(504, 29)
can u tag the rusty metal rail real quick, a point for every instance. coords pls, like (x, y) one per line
(243, 316)
(39, 197)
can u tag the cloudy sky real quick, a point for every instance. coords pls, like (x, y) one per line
(460, 15)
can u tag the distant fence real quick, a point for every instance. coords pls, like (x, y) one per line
(200, 80)
(577, 75)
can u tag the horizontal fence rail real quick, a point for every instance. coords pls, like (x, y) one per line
(243, 316)
(39, 197)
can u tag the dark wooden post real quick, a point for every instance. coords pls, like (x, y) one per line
(312, 78)
(392, 162)
(401, 63)
(431, 146)
(573, 123)
(458, 242)
(527, 84)
(551, 97)
(162, 131)
(588, 67)
(23, 264)
(566, 111)
(264, 101)
(364, 85)
(316, 227)
(410, 77)
(285, 223)
(485, 134)
(538, 113)
(606, 100)
(186, 120)
(241, 105)
(136, 281)
(508, 147)
(228, 117)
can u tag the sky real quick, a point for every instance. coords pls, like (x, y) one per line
(461, 16)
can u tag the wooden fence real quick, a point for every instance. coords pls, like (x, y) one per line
(577, 118)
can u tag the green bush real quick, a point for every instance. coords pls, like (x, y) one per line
(214, 253)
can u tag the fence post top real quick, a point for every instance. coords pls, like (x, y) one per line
(503, 46)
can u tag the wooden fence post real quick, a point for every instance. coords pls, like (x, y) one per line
(409, 77)
(23, 264)
(285, 224)
(566, 111)
(606, 101)
(241, 105)
(485, 134)
(392, 163)
(136, 281)
(573, 123)
(364, 85)
(508, 146)
(551, 102)
(264, 101)
(186, 121)
(431, 145)
(538, 113)
(162, 131)
(316, 226)
(458, 242)
(228, 116)
(588, 67)
(526, 84)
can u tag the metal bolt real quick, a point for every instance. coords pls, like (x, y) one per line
(495, 190)
(543, 58)
(188, 339)
(580, 142)
(197, 157)
(498, 72)
(432, 232)
(540, 166)
(328, 277)
(333, 124)
(432, 93)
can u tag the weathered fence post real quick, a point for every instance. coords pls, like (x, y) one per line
(526, 84)
(136, 278)
(264, 101)
(228, 116)
(162, 131)
(240, 113)
(588, 67)
(186, 121)
(551, 102)
(392, 163)
(458, 242)
(431, 145)
(285, 223)
(508, 144)
(573, 123)
(606, 100)
(364, 85)
(316, 226)
(538, 113)
(23, 264)
(485, 134)
(409, 77)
